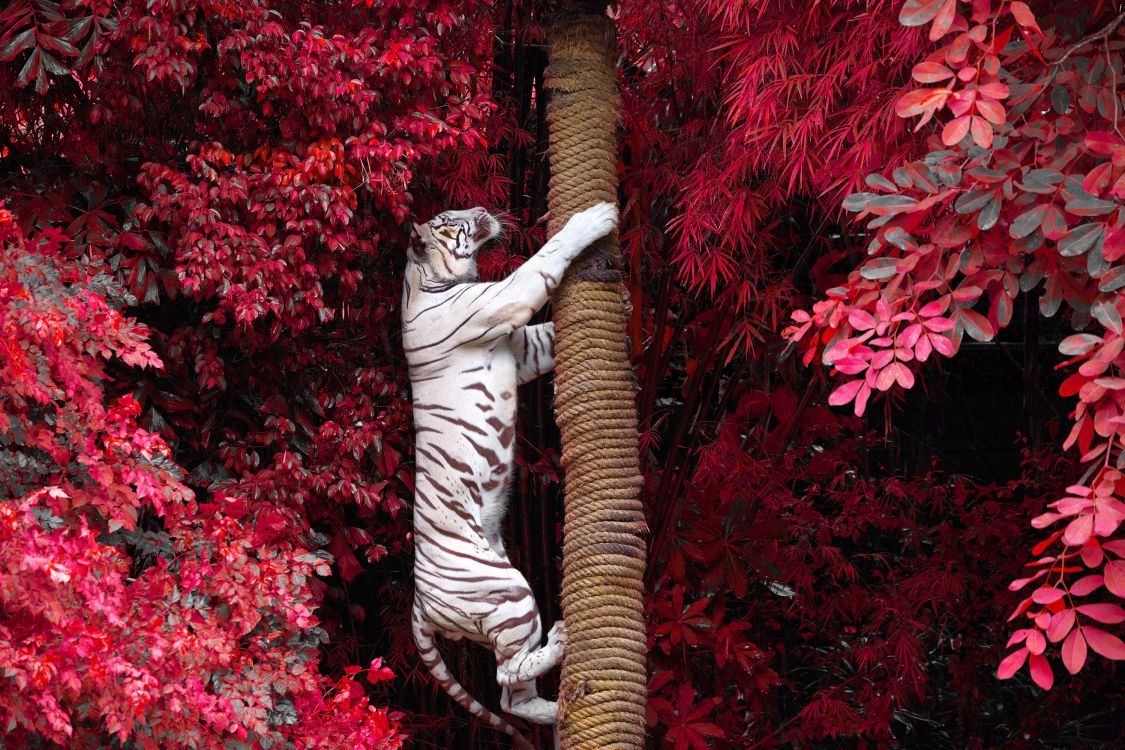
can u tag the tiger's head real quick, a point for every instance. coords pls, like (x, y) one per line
(447, 244)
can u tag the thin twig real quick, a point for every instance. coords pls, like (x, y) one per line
(1103, 34)
(1116, 98)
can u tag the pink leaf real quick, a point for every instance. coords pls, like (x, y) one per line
(994, 90)
(1011, 664)
(1074, 652)
(903, 375)
(955, 130)
(1110, 614)
(1061, 624)
(884, 379)
(931, 72)
(1086, 585)
(1114, 573)
(1046, 595)
(1045, 520)
(844, 393)
(1041, 671)
(944, 20)
(940, 325)
(982, 132)
(991, 111)
(1024, 17)
(942, 345)
(861, 399)
(1079, 530)
(861, 320)
(1092, 555)
(1106, 644)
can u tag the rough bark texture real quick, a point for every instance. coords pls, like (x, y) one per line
(603, 689)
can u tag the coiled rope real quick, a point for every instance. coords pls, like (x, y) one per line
(603, 686)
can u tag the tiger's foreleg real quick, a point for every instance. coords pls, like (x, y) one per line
(511, 303)
(534, 349)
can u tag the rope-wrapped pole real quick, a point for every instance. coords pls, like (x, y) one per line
(603, 688)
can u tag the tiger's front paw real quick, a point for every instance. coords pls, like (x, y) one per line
(591, 224)
(557, 635)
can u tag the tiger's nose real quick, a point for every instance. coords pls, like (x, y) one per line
(484, 225)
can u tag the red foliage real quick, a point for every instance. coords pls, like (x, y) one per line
(204, 435)
(235, 169)
(1022, 188)
(126, 605)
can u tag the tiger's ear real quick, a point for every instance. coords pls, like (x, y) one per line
(421, 231)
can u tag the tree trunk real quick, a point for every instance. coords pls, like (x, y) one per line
(603, 687)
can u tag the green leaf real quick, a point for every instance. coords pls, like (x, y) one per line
(1060, 99)
(17, 44)
(976, 325)
(900, 238)
(974, 200)
(1080, 239)
(1088, 205)
(1028, 221)
(1105, 312)
(1113, 280)
(879, 268)
(988, 217)
(880, 182)
(919, 12)
(1041, 180)
(891, 204)
(857, 202)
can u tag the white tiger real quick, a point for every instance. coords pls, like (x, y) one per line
(468, 346)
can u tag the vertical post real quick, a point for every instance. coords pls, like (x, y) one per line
(603, 687)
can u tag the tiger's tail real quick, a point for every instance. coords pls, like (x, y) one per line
(431, 657)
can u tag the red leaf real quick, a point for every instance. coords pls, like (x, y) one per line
(1110, 614)
(1115, 577)
(1011, 664)
(378, 673)
(844, 393)
(1079, 530)
(1041, 672)
(1061, 624)
(1106, 644)
(1086, 585)
(982, 132)
(943, 22)
(931, 72)
(1046, 595)
(1074, 652)
(1024, 16)
(955, 130)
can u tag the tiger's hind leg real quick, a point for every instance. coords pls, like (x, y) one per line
(517, 675)
(522, 700)
(532, 663)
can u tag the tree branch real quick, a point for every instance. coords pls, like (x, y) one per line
(1103, 34)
